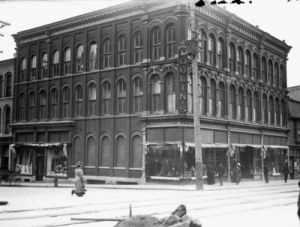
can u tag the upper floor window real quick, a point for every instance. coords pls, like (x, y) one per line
(92, 99)
(256, 107)
(44, 65)
(232, 102)
(7, 120)
(240, 61)
(66, 101)
(240, 106)
(33, 68)
(264, 70)
(202, 46)
(67, 61)
(222, 102)
(138, 47)
(137, 95)
(43, 103)
(221, 53)
(23, 69)
(155, 83)
(54, 101)
(277, 112)
(271, 110)
(270, 72)
(92, 56)
(55, 60)
(155, 44)
(171, 39)
(121, 94)
(79, 59)
(21, 104)
(281, 76)
(31, 105)
(203, 94)
(78, 100)
(121, 50)
(231, 57)
(248, 113)
(8, 85)
(248, 64)
(211, 50)
(265, 109)
(213, 100)
(106, 95)
(171, 94)
(276, 75)
(255, 67)
(106, 53)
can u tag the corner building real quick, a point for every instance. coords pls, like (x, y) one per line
(107, 88)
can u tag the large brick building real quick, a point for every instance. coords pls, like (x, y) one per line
(104, 88)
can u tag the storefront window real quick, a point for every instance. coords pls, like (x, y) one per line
(23, 161)
(56, 162)
(257, 162)
(275, 159)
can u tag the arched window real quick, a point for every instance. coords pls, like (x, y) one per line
(190, 94)
(171, 40)
(8, 85)
(277, 112)
(211, 50)
(78, 101)
(121, 94)
(54, 102)
(92, 56)
(155, 44)
(222, 99)
(240, 106)
(271, 110)
(270, 73)
(281, 76)
(276, 75)
(155, 83)
(67, 61)
(91, 152)
(283, 113)
(240, 61)
(106, 98)
(212, 99)
(248, 115)
(31, 105)
(33, 68)
(21, 107)
(43, 103)
(7, 120)
(66, 101)
(121, 50)
(92, 99)
(79, 59)
(120, 152)
(44, 65)
(232, 102)
(255, 67)
(203, 95)
(231, 57)
(264, 70)
(78, 154)
(137, 95)
(137, 152)
(248, 64)
(265, 109)
(171, 94)
(138, 47)
(55, 60)
(105, 151)
(23, 69)
(256, 108)
(221, 53)
(203, 46)
(106, 53)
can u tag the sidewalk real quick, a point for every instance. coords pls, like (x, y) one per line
(152, 186)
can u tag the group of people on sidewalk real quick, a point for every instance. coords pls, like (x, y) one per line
(285, 170)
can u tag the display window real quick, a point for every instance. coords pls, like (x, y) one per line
(275, 159)
(23, 161)
(57, 162)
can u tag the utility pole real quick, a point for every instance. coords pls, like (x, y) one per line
(194, 39)
(3, 24)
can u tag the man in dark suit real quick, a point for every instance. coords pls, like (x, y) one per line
(221, 173)
(266, 173)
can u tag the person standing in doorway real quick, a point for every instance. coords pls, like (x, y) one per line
(220, 173)
(266, 173)
(285, 171)
(79, 191)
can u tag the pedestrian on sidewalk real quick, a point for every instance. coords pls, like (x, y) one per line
(237, 173)
(79, 191)
(266, 173)
(220, 173)
(285, 171)
(210, 174)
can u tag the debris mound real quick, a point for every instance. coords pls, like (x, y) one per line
(139, 221)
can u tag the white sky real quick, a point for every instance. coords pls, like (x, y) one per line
(280, 18)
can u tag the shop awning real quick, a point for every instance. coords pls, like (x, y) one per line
(206, 145)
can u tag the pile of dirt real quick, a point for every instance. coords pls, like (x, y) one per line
(139, 221)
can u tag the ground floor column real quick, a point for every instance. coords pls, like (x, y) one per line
(228, 156)
(143, 177)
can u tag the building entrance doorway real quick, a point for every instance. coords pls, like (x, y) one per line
(246, 160)
(40, 164)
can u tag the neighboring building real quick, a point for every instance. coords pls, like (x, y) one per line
(107, 88)
(6, 109)
(294, 135)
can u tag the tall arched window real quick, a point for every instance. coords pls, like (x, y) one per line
(277, 112)
(203, 46)
(105, 151)
(55, 60)
(54, 103)
(92, 99)
(171, 94)
(155, 83)
(231, 57)
(33, 68)
(79, 59)
(8, 85)
(137, 152)
(43, 104)
(106, 95)
(171, 40)
(248, 115)
(31, 102)
(221, 53)
(240, 106)
(211, 50)
(23, 69)
(137, 95)
(44, 66)
(121, 50)
(222, 99)
(255, 67)
(264, 70)
(78, 101)
(121, 94)
(67, 61)
(21, 104)
(212, 98)
(281, 76)
(155, 44)
(66, 101)
(7, 120)
(106, 53)
(248, 64)
(138, 47)
(271, 110)
(256, 107)
(276, 75)
(120, 152)
(265, 109)
(92, 56)
(91, 152)
(190, 94)
(283, 113)
(203, 95)
(232, 101)
(240, 61)
(270, 72)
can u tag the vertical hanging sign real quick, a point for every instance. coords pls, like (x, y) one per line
(183, 79)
